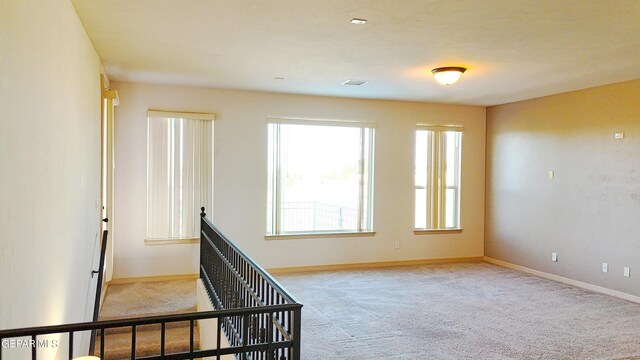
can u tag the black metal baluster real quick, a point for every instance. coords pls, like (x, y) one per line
(102, 354)
(34, 349)
(297, 313)
(263, 333)
(70, 345)
(191, 339)
(162, 332)
(219, 340)
(255, 286)
(270, 335)
(245, 335)
(133, 342)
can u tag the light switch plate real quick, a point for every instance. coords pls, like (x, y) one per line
(618, 136)
(554, 256)
(627, 272)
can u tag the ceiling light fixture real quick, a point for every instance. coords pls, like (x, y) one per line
(358, 21)
(448, 75)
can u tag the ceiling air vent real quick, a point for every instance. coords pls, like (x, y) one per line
(354, 82)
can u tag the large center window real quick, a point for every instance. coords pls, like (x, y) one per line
(320, 177)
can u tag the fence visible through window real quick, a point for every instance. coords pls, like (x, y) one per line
(313, 216)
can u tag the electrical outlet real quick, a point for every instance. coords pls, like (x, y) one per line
(618, 136)
(627, 272)
(605, 267)
(552, 174)
(554, 257)
(397, 244)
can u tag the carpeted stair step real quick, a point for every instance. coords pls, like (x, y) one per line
(118, 345)
(133, 300)
(149, 327)
(148, 299)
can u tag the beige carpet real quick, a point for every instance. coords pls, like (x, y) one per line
(458, 311)
(148, 299)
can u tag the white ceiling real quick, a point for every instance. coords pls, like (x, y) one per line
(514, 49)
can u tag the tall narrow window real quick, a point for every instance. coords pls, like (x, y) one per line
(179, 173)
(320, 177)
(437, 177)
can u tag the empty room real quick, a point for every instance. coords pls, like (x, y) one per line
(363, 179)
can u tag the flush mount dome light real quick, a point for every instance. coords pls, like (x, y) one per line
(448, 75)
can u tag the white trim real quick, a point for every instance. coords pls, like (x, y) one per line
(321, 122)
(277, 166)
(440, 127)
(171, 241)
(373, 265)
(180, 114)
(437, 231)
(564, 280)
(311, 235)
(156, 278)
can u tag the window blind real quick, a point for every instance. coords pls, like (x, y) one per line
(179, 174)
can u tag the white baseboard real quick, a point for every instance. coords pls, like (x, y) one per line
(132, 280)
(564, 280)
(369, 265)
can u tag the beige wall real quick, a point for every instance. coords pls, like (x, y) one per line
(240, 188)
(590, 212)
(49, 165)
(208, 328)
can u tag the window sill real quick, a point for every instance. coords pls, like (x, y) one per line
(436, 231)
(171, 241)
(320, 235)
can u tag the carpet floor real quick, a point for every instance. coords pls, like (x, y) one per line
(147, 299)
(458, 311)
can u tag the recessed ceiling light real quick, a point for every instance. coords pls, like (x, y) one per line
(355, 82)
(358, 21)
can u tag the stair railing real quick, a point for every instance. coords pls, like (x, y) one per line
(257, 316)
(233, 280)
(100, 272)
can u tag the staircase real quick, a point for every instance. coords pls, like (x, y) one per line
(148, 299)
(260, 316)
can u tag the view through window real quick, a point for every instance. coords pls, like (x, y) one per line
(320, 177)
(437, 178)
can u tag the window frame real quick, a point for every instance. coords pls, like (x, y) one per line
(275, 193)
(435, 211)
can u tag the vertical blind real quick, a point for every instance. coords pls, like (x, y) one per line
(179, 173)
(437, 171)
